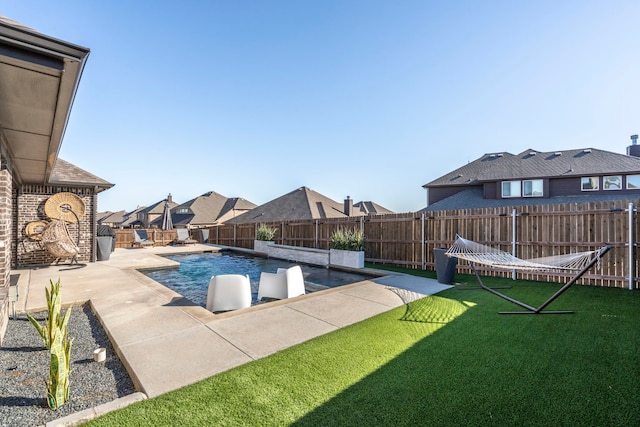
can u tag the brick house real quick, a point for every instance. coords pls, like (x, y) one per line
(534, 177)
(39, 76)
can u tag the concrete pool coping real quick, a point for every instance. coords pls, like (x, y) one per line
(166, 342)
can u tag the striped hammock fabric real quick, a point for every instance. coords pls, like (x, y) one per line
(482, 254)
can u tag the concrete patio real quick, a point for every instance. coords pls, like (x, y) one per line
(152, 327)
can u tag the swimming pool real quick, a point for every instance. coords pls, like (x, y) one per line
(191, 278)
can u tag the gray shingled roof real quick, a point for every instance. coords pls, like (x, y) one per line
(158, 207)
(536, 164)
(132, 217)
(207, 209)
(473, 198)
(114, 218)
(65, 173)
(370, 208)
(302, 203)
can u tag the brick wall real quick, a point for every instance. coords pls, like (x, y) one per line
(5, 243)
(29, 206)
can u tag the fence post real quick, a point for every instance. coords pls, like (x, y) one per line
(514, 247)
(235, 226)
(316, 236)
(632, 244)
(423, 243)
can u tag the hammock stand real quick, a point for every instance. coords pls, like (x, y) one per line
(579, 262)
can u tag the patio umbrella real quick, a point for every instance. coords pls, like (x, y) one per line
(167, 223)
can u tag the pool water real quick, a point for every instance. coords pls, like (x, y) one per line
(191, 278)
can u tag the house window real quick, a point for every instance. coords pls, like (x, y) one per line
(633, 182)
(532, 188)
(182, 211)
(590, 183)
(612, 182)
(511, 189)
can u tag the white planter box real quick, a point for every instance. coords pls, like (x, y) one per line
(262, 246)
(352, 259)
(299, 254)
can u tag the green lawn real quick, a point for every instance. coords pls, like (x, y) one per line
(444, 360)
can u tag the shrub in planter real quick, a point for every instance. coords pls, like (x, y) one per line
(347, 239)
(265, 233)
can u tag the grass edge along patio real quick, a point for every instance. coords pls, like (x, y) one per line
(446, 359)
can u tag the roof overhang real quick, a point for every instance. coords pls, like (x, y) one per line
(39, 76)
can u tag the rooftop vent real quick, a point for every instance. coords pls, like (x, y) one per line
(586, 150)
(558, 153)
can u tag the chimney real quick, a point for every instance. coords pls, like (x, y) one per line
(634, 148)
(169, 198)
(348, 206)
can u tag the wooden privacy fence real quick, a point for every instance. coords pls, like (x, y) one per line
(124, 237)
(408, 239)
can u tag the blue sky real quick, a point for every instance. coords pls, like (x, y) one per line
(370, 99)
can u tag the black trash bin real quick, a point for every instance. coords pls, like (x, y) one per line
(106, 242)
(445, 266)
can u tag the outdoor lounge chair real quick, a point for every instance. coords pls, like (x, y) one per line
(285, 283)
(183, 237)
(228, 292)
(141, 239)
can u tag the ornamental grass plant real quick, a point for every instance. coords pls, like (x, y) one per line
(347, 239)
(265, 233)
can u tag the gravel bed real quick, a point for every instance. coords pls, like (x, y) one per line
(24, 371)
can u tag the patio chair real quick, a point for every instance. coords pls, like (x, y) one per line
(58, 242)
(141, 239)
(228, 292)
(183, 237)
(285, 283)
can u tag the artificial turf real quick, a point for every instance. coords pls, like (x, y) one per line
(447, 359)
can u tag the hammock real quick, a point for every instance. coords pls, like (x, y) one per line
(482, 254)
(476, 253)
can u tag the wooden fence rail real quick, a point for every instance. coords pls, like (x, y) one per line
(409, 239)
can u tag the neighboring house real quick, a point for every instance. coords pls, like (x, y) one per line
(534, 177)
(114, 219)
(39, 76)
(151, 217)
(102, 215)
(304, 203)
(208, 209)
(131, 218)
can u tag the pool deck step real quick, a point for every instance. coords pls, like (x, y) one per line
(166, 342)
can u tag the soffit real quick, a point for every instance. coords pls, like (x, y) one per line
(38, 80)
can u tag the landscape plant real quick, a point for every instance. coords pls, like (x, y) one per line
(265, 233)
(347, 239)
(54, 336)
